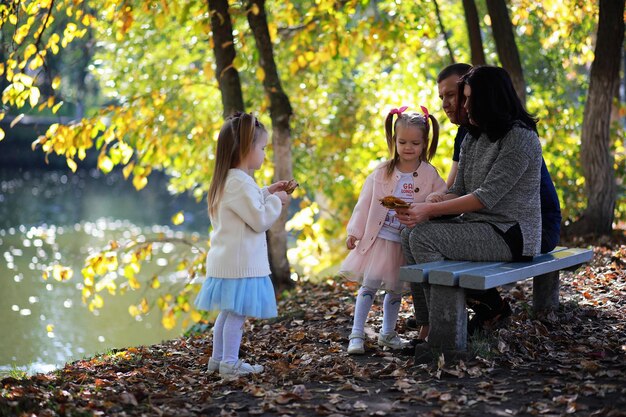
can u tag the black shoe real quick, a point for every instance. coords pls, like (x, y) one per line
(411, 324)
(483, 322)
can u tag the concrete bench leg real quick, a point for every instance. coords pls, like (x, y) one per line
(546, 292)
(448, 318)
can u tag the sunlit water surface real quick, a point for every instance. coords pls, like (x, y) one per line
(49, 218)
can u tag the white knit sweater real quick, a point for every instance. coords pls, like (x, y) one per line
(238, 244)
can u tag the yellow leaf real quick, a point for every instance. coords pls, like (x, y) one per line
(62, 273)
(260, 74)
(36, 62)
(1, 134)
(17, 119)
(133, 311)
(168, 320)
(72, 164)
(155, 283)
(34, 96)
(159, 21)
(196, 316)
(98, 301)
(128, 169)
(50, 327)
(134, 284)
(255, 9)
(105, 164)
(139, 182)
(56, 82)
(29, 51)
(178, 218)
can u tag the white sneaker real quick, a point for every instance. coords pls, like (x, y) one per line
(392, 340)
(357, 344)
(213, 366)
(239, 368)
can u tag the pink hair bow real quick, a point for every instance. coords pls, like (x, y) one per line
(426, 114)
(398, 111)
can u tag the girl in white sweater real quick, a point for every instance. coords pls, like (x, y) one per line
(238, 283)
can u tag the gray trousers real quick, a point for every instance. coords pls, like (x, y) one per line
(452, 239)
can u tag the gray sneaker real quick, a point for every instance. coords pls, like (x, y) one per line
(392, 340)
(357, 344)
(213, 366)
(239, 368)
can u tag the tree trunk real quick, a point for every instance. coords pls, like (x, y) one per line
(505, 44)
(596, 156)
(280, 113)
(224, 50)
(444, 33)
(473, 30)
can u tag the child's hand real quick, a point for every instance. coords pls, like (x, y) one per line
(351, 242)
(434, 197)
(284, 197)
(277, 186)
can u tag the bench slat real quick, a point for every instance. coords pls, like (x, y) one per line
(449, 275)
(419, 272)
(485, 278)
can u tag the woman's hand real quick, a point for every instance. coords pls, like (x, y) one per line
(351, 242)
(417, 213)
(277, 186)
(435, 197)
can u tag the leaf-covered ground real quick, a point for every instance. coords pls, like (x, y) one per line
(572, 362)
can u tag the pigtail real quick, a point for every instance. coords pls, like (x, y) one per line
(391, 143)
(432, 148)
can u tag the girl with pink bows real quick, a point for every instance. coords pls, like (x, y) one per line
(374, 231)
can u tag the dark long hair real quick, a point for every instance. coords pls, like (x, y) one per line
(494, 105)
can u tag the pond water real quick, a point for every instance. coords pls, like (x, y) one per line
(56, 217)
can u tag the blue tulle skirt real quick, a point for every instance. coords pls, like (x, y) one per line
(250, 297)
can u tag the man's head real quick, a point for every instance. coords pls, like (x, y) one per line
(448, 88)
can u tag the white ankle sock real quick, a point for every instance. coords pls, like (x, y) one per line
(364, 301)
(391, 308)
(233, 330)
(218, 338)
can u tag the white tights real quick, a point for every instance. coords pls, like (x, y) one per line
(364, 301)
(227, 333)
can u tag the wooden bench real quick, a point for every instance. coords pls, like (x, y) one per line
(449, 279)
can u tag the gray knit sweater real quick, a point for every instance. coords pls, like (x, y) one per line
(505, 176)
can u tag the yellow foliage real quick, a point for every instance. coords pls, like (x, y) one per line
(178, 218)
(168, 320)
(133, 310)
(96, 302)
(139, 182)
(34, 96)
(62, 273)
(196, 316)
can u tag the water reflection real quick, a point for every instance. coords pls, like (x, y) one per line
(55, 217)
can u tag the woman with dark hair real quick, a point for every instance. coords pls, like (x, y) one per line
(493, 210)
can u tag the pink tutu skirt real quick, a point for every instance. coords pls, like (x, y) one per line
(377, 268)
